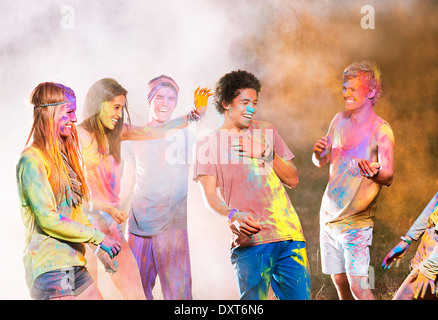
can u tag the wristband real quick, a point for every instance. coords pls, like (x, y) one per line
(403, 238)
(231, 213)
(97, 249)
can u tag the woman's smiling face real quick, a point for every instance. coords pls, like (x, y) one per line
(67, 117)
(112, 111)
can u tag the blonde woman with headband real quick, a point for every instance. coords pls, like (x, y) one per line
(101, 134)
(52, 189)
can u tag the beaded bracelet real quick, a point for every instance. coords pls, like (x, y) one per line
(193, 116)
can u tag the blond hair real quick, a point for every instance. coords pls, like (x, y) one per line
(367, 71)
(46, 138)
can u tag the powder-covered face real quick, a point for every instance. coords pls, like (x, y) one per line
(66, 117)
(242, 109)
(112, 111)
(356, 93)
(163, 104)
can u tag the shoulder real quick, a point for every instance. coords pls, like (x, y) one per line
(262, 125)
(383, 131)
(340, 116)
(31, 153)
(383, 127)
(31, 157)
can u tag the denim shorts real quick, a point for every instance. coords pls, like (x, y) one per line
(60, 283)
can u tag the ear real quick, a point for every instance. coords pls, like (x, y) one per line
(225, 106)
(371, 94)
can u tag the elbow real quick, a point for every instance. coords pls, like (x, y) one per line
(388, 179)
(389, 182)
(292, 182)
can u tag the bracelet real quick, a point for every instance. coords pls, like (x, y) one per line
(231, 213)
(403, 238)
(193, 116)
(97, 249)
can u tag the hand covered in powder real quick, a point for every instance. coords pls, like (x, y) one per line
(368, 169)
(244, 223)
(421, 284)
(109, 265)
(118, 215)
(111, 246)
(321, 145)
(395, 255)
(201, 99)
(252, 147)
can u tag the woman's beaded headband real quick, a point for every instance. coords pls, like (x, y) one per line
(56, 103)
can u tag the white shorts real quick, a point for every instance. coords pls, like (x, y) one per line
(346, 252)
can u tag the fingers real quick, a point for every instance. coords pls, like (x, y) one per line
(368, 169)
(206, 92)
(320, 145)
(111, 246)
(123, 216)
(421, 284)
(111, 267)
(387, 263)
(246, 224)
(244, 148)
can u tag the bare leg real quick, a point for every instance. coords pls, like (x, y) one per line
(360, 288)
(127, 278)
(342, 285)
(91, 263)
(91, 293)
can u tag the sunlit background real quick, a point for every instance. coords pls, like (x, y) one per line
(298, 49)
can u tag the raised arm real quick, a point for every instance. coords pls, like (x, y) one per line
(157, 132)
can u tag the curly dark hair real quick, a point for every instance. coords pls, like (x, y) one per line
(229, 86)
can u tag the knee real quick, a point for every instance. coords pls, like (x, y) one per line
(340, 280)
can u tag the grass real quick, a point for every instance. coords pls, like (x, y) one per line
(389, 224)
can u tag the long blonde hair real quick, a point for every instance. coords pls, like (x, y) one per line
(47, 139)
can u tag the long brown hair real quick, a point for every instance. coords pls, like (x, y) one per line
(100, 92)
(47, 139)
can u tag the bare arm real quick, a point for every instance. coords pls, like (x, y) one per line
(286, 171)
(381, 172)
(148, 132)
(254, 148)
(247, 224)
(130, 132)
(118, 215)
(323, 146)
(321, 152)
